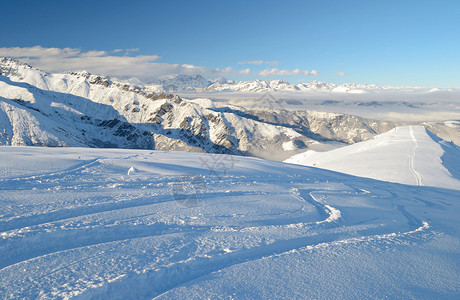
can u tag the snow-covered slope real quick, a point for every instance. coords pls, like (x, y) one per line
(138, 224)
(80, 109)
(409, 155)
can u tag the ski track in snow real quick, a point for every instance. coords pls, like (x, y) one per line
(6, 181)
(417, 176)
(92, 229)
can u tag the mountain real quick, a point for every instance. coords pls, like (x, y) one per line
(89, 223)
(143, 224)
(408, 155)
(197, 83)
(81, 109)
(184, 83)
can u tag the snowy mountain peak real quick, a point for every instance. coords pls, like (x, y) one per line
(11, 67)
(7, 61)
(181, 82)
(83, 73)
(185, 78)
(81, 109)
(197, 83)
(221, 80)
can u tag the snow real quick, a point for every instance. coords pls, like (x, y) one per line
(366, 100)
(408, 155)
(131, 171)
(143, 224)
(80, 109)
(287, 146)
(190, 225)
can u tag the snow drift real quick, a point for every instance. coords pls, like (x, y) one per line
(73, 223)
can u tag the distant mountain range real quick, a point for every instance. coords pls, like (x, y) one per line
(80, 109)
(197, 83)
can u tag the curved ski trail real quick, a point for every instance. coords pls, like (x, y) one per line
(417, 176)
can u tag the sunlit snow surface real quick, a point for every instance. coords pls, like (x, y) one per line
(408, 155)
(189, 225)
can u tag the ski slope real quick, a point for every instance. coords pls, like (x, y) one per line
(138, 224)
(408, 155)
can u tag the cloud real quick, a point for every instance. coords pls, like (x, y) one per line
(94, 54)
(421, 116)
(127, 51)
(245, 71)
(225, 70)
(338, 74)
(276, 72)
(144, 67)
(259, 62)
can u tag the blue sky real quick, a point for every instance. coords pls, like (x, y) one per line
(412, 43)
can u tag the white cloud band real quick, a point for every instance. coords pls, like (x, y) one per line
(259, 62)
(143, 67)
(276, 72)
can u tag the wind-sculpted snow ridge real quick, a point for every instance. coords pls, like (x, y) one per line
(408, 155)
(144, 224)
(80, 109)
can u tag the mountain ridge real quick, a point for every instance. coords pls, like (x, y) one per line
(197, 83)
(81, 109)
